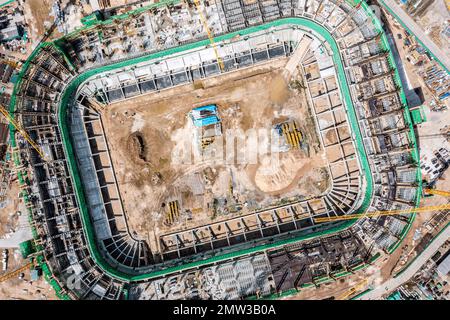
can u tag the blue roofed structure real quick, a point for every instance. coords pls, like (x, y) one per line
(205, 116)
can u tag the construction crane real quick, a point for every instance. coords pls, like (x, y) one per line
(383, 213)
(12, 64)
(392, 212)
(353, 290)
(436, 136)
(210, 35)
(22, 132)
(16, 272)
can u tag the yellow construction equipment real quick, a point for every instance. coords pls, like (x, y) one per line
(173, 213)
(383, 213)
(12, 64)
(210, 35)
(292, 134)
(437, 192)
(353, 290)
(22, 132)
(16, 272)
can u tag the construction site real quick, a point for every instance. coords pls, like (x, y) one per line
(223, 155)
(213, 183)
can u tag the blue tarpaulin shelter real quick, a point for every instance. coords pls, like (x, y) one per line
(205, 116)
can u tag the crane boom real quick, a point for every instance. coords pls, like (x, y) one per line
(383, 213)
(353, 290)
(437, 192)
(22, 132)
(16, 272)
(210, 36)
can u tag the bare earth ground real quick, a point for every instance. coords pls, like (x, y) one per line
(146, 133)
(8, 218)
(23, 289)
(16, 288)
(37, 14)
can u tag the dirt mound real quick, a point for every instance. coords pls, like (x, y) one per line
(279, 92)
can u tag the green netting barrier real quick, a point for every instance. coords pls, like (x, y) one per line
(342, 274)
(90, 22)
(27, 248)
(49, 278)
(91, 19)
(321, 280)
(361, 294)
(375, 258)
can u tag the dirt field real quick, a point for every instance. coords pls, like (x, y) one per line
(157, 158)
(24, 289)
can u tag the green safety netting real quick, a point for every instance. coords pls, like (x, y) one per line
(27, 248)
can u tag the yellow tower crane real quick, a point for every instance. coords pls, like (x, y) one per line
(22, 132)
(383, 213)
(391, 212)
(353, 290)
(16, 272)
(210, 35)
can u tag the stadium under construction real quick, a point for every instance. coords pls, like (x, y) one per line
(75, 201)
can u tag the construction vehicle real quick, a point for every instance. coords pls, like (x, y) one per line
(210, 35)
(22, 131)
(16, 272)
